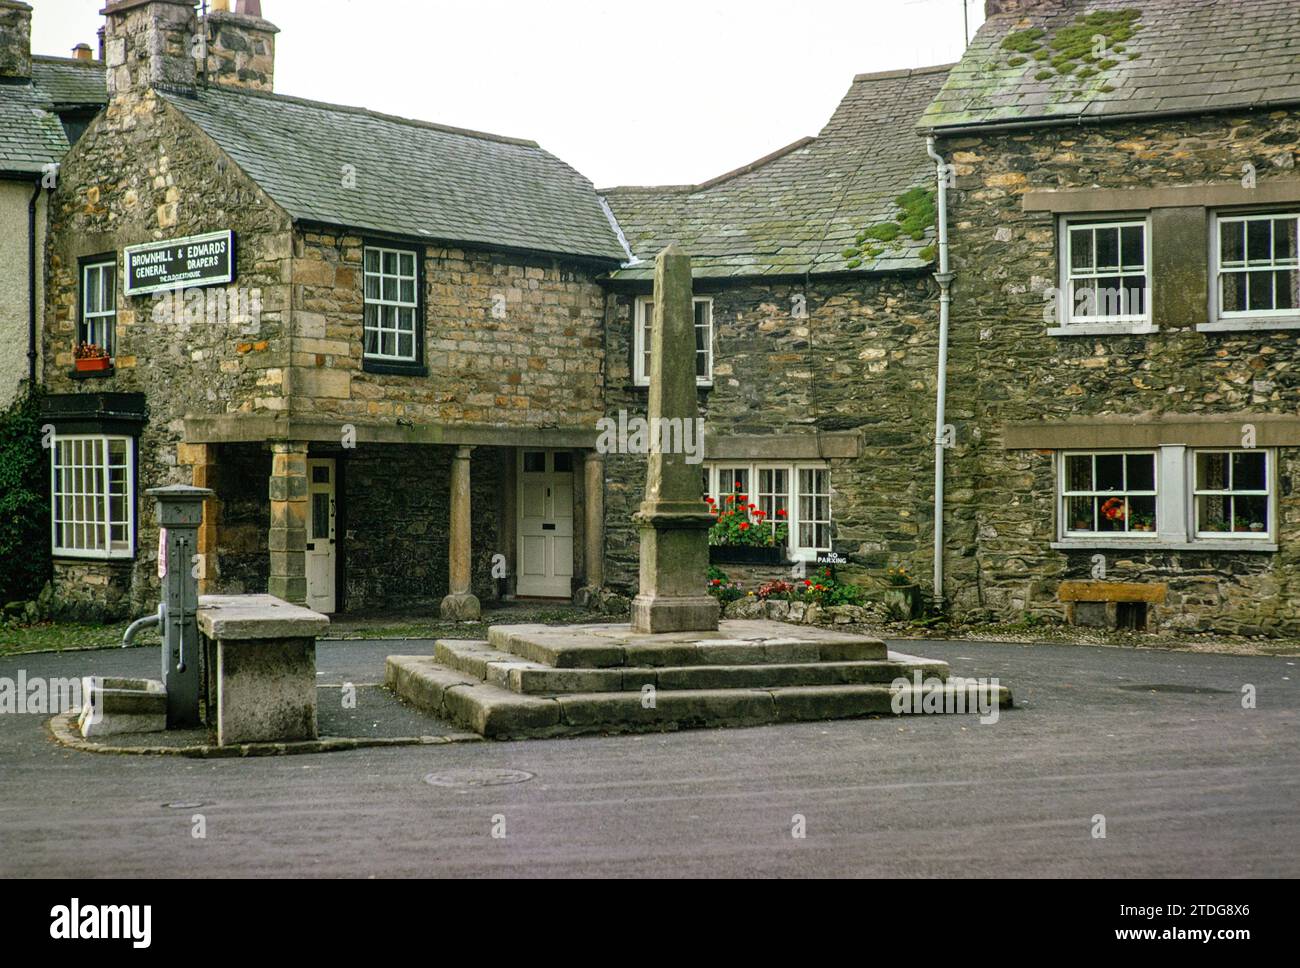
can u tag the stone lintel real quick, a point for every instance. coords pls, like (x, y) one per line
(1112, 591)
(813, 446)
(1153, 430)
(256, 428)
(1069, 201)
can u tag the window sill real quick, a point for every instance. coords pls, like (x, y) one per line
(639, 385)
(92, 374)
(1160, 544)
(1104, 329)
(394, 369)
(1245, 324)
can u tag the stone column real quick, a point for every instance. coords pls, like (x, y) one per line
(460, 605)
(288, 537)
(593, 521)
(674, 521)
(202, 460)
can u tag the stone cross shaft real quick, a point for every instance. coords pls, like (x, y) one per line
(673, 518)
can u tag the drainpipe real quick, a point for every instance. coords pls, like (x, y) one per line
(944, 277)
(31, 284)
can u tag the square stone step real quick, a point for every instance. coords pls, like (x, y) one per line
(735, 643)
(504, 669)
(495, 712)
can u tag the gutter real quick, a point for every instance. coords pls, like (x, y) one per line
(31, 283)
(944, 277)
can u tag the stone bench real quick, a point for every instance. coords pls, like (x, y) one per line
(261, 663)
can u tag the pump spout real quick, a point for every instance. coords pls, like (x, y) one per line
(149, 621)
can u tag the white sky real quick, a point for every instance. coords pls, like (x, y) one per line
(653, 92)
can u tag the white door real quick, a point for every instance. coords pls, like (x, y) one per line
(545, 524)
(321, 546)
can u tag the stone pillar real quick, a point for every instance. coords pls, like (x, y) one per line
(288, 538)
(674, 521)
(460, 605)
(593, 525)
(202, 461)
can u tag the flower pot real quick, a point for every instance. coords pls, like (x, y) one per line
(902, 597)
(94, 364)
(745, 555)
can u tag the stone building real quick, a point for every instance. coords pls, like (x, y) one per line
(1126, 306)
(816, 323)
(45, 103)
(356, 329)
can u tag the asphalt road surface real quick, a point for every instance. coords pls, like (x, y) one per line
(1190, 784)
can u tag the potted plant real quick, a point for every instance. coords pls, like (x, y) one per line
(1143, 522)
(742, 534)
(91, 358)
(1257, 526)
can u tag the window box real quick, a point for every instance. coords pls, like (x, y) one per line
(745, 555)
(93, 364)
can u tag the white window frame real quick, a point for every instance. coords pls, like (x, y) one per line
(1269, 493)
(398, 304)
(1071, 324)
(1222, 319)
(101, 319)
(101, 518)
(1175, 507)
(641, 325)
(1064, 495)
(792, 520)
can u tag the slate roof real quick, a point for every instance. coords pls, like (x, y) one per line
(69, 82)
(412, 178)
(31, 135)
(796, 211)
(1189, 55)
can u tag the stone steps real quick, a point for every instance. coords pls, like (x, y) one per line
(742, 643)
(479, 660)
(499, 713)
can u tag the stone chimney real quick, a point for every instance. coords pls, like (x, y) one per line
(15, 39)
(241, 46)
(150, 43)
(1019, 7)
(83, 52)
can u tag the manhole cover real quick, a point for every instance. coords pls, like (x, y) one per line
(1186, 690)
(477, 778)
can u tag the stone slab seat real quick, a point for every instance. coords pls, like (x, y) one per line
(498, 713)
(479, 660)
(734, 643)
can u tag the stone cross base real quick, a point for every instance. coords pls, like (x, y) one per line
(674, 559)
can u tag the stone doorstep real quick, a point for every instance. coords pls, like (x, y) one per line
(476, 659)
(497, 713)
(605, 647)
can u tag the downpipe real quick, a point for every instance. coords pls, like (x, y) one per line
(944, 277)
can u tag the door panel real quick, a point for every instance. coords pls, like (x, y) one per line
(321, 539)
(545, 524)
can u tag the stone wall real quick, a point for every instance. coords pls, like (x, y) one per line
(14, 307)
(396, 502)
(862, 360)
(141, 173)
(1006, 368)
(537, 362)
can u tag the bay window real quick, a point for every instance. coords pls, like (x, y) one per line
(92, 496)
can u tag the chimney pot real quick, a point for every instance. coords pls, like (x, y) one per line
(83, 52)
